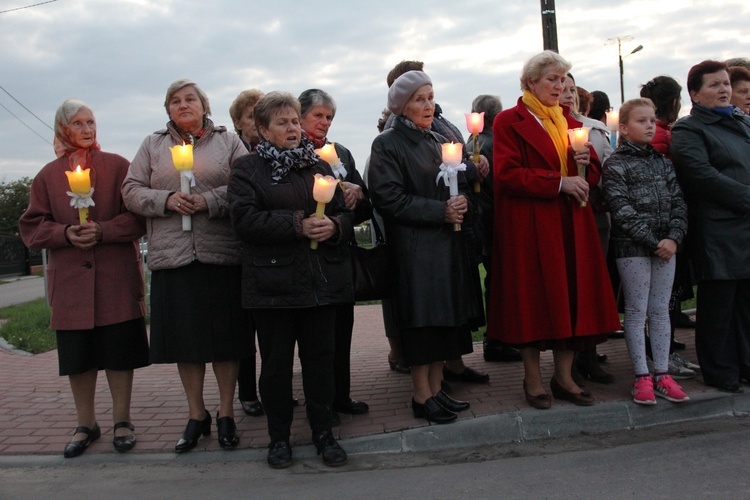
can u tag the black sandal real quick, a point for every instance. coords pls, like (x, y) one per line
(124, 443)
(75, 448)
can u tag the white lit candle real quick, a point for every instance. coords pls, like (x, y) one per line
(452, 153)
(80, 184)
(579, 137)
(182, 157)
(323, 191)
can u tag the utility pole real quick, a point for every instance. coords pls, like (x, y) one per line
(549, 25)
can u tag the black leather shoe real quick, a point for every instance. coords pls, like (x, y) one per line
(75, 448)
(252, 408)
(734, 387)
(351, 407)
(124, 443)
(451, 404)
(676, 345)
(617, 334)
(279, 455)
(432, 411)
(333, 454)
(227, 431)
(494, 350)
(193, 432)
(682, 320)
(469, 375)
(398, 366)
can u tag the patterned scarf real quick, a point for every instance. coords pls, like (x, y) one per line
(554, 123)
(284, 160)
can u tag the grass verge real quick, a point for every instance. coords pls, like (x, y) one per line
(26, 326)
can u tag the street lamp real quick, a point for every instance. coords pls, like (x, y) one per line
(619, 40)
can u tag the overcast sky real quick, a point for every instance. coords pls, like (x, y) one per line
(121, 55)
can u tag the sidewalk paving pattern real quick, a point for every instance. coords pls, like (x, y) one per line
(37, 414)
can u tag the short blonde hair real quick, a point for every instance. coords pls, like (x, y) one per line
(629, 106)
(540, 64)
(181, 84)
(241, 102)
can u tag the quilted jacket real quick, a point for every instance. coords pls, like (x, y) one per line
(152, 178)
(644, 199)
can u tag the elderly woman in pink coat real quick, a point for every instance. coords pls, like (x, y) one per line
(94, 274)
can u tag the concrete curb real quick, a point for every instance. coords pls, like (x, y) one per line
(511, 427)
(563, 421)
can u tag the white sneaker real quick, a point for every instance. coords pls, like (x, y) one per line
(675, 370)
(680, 360)
(678, 371)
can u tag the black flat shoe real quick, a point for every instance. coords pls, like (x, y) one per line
(494, 350)
(75, 448)
(193, 432)
(588, 366)
(398, 366)
(582, 398)
(253, 408)
(333, 454)
(469, 376)
(279, 455)
(351, 407)
(731, 388)
(432, 411)
(124, 443)
(227, 431)
(451, 404)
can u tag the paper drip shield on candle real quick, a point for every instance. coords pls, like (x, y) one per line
(339, 170)
(81, 200)
(447, 172)
(188, 174)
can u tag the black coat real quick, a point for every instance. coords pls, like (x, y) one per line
(279, 270)
(429, 263)
(711, 154)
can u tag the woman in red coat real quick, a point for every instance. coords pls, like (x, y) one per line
(94, 275)
(550, 288)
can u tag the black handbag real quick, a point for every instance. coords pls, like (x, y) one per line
(370, 268)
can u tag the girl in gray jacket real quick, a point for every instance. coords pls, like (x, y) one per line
(649, 221)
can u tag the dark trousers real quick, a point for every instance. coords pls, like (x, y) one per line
(246, 387)
(722, 332)
(342, 351)
(312, 329)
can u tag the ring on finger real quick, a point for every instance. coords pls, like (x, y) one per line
(179, 204)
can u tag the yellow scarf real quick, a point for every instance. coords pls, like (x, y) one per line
(554, 123)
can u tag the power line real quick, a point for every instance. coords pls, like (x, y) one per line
(27, 7)
(27, 109)
(25, 125)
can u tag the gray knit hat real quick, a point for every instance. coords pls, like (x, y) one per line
(403, 88)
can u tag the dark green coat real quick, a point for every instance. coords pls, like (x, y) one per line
(711, 154)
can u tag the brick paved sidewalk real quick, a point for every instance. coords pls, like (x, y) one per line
(37, 414)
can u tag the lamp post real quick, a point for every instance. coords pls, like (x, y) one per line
(619, 40)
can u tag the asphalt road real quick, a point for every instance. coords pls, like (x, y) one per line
(17, 290)
(701, 459)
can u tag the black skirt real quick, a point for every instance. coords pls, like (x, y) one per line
(122, 346)
(196, 316)
(422, 346)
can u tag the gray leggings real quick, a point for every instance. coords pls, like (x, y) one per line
(647, 285)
